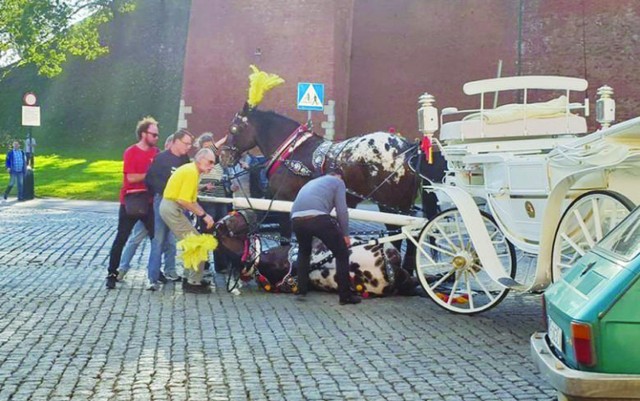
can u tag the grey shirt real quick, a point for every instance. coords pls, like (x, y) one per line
(320, 196)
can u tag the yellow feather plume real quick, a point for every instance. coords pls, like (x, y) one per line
(195, 249)
(261, 82)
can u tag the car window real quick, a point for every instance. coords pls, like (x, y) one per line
(624, 240)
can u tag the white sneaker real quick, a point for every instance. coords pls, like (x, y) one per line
(152, 286)
(172, 277)
(121, 274)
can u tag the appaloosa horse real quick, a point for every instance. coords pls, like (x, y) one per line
(376, 165)
(375, 269)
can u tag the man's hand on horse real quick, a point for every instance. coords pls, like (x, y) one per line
(209, 220)
(347, 240)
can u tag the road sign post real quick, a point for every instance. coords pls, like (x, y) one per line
(30, 118)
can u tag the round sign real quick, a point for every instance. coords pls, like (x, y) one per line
(29, 98)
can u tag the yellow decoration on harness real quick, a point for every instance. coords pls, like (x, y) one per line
(261, 82)
(195, 249)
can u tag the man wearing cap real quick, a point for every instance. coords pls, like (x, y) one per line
(310, 217)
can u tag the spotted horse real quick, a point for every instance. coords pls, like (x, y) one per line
(375, 269)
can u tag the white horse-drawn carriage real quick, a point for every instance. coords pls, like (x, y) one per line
(547, 187)
(522, 175)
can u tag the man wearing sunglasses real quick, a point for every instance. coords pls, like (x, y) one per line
(181, 195)
(137, 160)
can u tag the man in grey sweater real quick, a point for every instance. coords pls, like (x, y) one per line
(310, 217)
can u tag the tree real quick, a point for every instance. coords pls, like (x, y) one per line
(45, 32)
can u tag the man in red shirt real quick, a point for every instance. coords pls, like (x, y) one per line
(137, 159)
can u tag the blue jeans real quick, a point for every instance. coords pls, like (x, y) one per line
(163, 242)
(135, 239)
(13, 179)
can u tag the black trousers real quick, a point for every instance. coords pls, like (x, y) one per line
(125, 225)
(325, 228)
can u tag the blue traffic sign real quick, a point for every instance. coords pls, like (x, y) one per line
(310, 96)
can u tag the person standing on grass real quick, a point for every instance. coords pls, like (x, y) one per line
(16, 164)
(163, 240)
(137, 160)
(181, 196)
(138, 235)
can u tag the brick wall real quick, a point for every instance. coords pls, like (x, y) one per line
(302, 41)
(376, 57)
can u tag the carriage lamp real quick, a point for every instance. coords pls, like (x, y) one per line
(427, 114)
(605, 106)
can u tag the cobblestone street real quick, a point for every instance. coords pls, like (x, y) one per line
(64, 336)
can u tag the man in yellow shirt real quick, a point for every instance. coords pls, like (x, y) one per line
(181, 195)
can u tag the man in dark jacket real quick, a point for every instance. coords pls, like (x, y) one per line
(156, 179)
(16, 164)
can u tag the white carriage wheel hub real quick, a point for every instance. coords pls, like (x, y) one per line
(460, 261)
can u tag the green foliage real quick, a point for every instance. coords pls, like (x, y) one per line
(44, 32)
(73, 178)
(91, 108)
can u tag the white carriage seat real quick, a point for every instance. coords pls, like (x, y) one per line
(516, 120)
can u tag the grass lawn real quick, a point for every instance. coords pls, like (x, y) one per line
(67, 177)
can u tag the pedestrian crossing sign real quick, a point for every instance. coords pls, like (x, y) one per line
(310, 96)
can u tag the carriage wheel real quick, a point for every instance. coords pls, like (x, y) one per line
(449, 268)
(587, 219)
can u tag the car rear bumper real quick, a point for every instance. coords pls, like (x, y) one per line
(579, 385)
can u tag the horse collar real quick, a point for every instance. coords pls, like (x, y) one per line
(284, 151)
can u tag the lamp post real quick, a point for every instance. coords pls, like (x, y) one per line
(30, 118)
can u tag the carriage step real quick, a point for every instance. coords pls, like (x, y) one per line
(512, 284)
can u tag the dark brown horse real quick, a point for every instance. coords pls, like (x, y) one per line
(376, 166)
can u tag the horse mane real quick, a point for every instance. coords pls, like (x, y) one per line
(269, 118)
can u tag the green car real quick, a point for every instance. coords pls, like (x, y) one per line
(591, 350)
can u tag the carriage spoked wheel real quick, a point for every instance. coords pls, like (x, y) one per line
(449, 269)
(587, 219)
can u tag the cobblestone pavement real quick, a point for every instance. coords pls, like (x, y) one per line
(64, 336)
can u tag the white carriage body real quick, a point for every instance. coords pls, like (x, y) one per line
(512, 158)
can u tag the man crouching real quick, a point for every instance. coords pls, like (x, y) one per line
(180, 195)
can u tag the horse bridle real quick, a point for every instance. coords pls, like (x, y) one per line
(238, 126)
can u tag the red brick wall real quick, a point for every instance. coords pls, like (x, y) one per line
(403, 48)
(376, 57)
(594, 39)
(302, 41)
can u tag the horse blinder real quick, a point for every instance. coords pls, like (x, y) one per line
(238, 124)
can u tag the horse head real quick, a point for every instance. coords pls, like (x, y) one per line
(252, 127)
(243, 136)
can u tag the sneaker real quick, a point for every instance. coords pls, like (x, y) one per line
(4, 197)
(172, 277)
(162, 278)
(195, 289)
(151, 286)
(202, 282)
(121, 274)
(353, 299)
(111, 281)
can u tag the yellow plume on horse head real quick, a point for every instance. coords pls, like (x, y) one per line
(261, 82)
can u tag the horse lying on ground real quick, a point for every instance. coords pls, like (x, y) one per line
(375, 269)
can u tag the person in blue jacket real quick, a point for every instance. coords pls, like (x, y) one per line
(16, 164)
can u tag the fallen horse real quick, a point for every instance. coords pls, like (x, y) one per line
(375, 269)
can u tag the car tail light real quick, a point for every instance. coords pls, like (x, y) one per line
(544, 314)
(583, 343)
